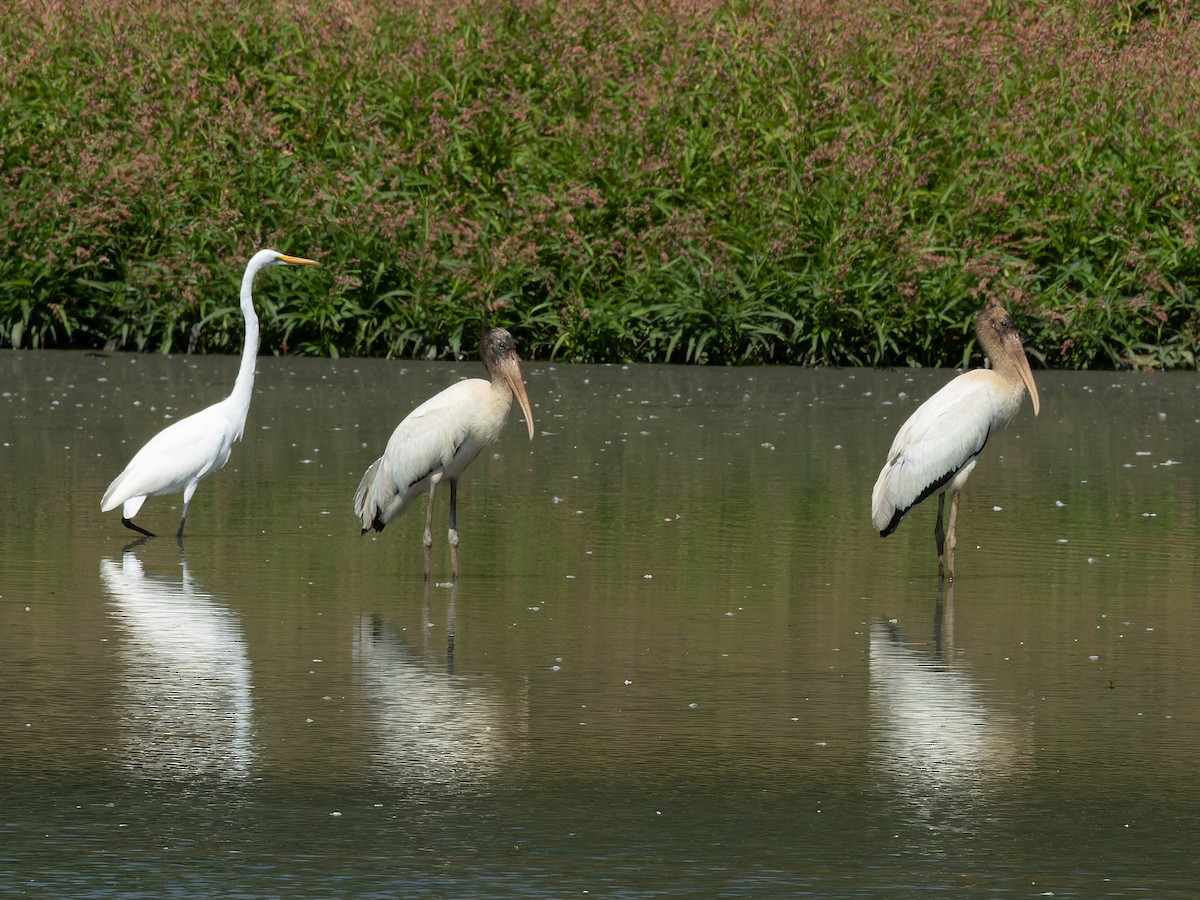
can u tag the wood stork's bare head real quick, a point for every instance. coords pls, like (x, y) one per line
(498, 351)
(997, 334)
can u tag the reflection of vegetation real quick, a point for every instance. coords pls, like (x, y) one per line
(717, 182)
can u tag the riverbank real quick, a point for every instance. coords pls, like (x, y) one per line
(832, 183)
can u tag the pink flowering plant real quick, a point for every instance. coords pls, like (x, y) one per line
(816, 182)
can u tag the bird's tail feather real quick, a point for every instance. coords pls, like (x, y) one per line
(366, 504)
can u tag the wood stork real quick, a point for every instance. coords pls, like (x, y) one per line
(183, 453)
(439, 439)
(936, 449)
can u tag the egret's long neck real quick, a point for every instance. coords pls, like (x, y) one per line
(244, 386)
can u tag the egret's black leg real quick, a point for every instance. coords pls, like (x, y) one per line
(133, 526)
(187, 501)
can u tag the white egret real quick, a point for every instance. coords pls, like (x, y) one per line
(936, 449)
(184, 452)
(439, 439)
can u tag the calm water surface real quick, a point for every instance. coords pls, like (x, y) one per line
(678, 660)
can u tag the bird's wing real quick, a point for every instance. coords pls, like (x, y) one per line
(182, 452)
(945, 434)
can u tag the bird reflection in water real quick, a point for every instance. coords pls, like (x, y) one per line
(184, 704)
(432, 727)
(944, 749)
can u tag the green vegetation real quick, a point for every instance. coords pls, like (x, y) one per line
(838, 182)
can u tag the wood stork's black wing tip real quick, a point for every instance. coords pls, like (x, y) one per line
(894, 524)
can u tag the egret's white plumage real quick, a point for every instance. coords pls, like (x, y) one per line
(936, 449)
(439, 439)
(183, 453)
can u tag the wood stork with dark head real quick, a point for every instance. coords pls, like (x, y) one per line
(439, 439)
(936, 449)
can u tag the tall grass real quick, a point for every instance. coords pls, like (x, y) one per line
(817, 181)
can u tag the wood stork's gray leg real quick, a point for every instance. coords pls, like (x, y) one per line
(939, 535)
(452, 536)
(427, 538)
(951, 541)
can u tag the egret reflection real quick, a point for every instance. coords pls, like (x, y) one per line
(431, 726)
(935, 735)
(184, 704)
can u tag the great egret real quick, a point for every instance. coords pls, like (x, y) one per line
(936, 449)
(439, 439)
(183, 453)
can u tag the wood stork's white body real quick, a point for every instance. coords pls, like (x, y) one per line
(936, 449)
(183, 453)
(439, 439)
